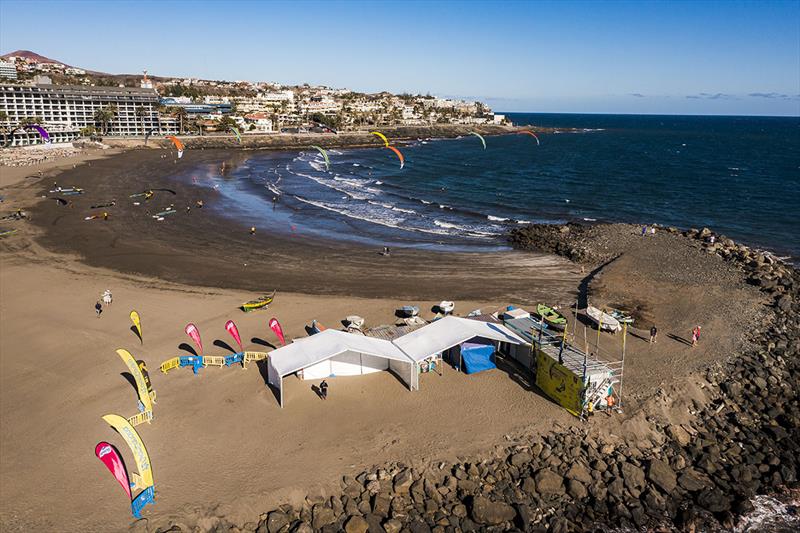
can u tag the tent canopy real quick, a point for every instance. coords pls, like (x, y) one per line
(449, 331)
(327, 344)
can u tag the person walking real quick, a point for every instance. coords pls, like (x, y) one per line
(653, 334)
(98, 308)
(695, 336)
(323, 389)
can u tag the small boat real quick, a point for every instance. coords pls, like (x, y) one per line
(164, 213)
(408, 311)
(551, 317)
(410, 321)
(67, 190)
(316, 327)
(446, 307)
(258, 303)
(354, 321)
(603, 320)
(621, 316)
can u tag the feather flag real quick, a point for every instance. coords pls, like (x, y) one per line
(276, 327)
(137, 323)
(110, 457)
(231, 328)
(194, 334)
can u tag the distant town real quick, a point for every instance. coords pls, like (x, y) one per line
(71, 102)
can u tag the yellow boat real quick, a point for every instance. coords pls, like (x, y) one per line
(258, 303)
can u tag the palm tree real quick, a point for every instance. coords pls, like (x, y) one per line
(182, 115)
(105, 115)
(140, 114)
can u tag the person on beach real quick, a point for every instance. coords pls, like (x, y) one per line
(98, 308)
(653, 334)
(252, 230)
(323, 389)
(644, 231)
(695, 336)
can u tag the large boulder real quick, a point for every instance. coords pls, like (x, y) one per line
(322, 516)
(487, 512)
(277, 521)
(580, 473)
(356, 524)
(520, 459)
(403, 481)
(632, 475)
(693, 481)
(662, 475)
(548, 482)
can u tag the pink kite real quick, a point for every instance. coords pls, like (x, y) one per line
(230, 327)
(276, 327)
(108, 454)
(194, 333)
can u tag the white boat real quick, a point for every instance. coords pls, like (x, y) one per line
(603, 320)
(446, 307)
(354, 321)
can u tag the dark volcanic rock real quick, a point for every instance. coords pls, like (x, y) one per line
(662, 475)
(548, 482)
(487, 512)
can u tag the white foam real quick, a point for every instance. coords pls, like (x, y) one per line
(497, 219)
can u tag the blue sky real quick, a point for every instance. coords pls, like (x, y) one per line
(597, 57)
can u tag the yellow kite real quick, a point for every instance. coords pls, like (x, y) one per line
(382, 136)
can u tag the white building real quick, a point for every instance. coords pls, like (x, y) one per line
(261, 121)
(74, 106)
(8, 70)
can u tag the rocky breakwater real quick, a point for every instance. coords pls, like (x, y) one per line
(647, 469)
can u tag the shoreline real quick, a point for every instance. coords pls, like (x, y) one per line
(196, 256)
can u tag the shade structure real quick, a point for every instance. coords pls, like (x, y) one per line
(338, 353)
(450, 331)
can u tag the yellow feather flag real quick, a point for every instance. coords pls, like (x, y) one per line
(137, 323)
(136, 445)
(136, 372)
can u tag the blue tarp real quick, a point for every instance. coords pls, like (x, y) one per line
(477, 356)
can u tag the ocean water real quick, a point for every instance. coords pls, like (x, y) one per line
(738, 175)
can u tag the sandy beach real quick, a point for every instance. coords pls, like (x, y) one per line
(220, 444)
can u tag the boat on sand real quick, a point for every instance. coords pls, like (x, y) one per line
(446, 307)
(408, 311)
(621, 316)
(603, 320)
(354, 321)
(258, 303)
(551, 317)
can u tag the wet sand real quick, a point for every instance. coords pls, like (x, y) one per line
(201, 248)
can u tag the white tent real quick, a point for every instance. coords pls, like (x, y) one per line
(337, 353)
(450, 331)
